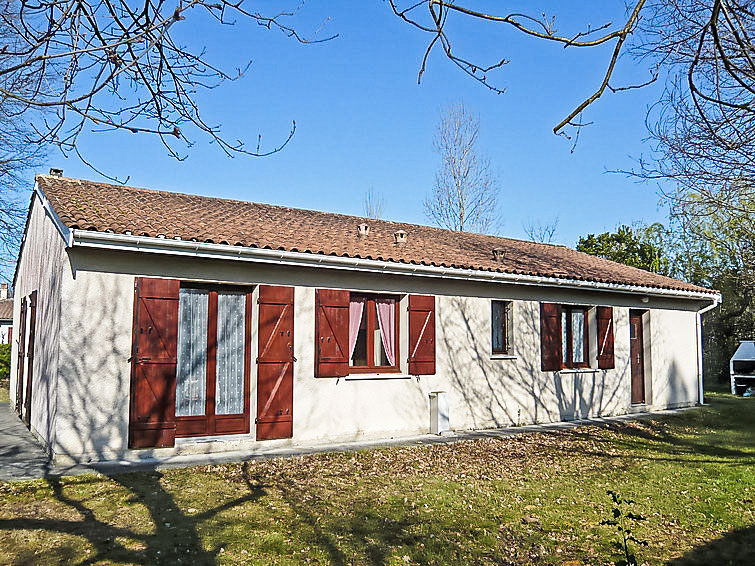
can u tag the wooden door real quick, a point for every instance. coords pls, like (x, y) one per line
(637, 353)
(275, 363)
(21, 359)
(30, 357)
(152, 410)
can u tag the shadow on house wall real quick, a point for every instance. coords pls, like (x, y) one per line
(501, 392)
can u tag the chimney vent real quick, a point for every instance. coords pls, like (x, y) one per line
(499, 254)
(55, 172)
(3, 291)
(400, 237)
(363, 230)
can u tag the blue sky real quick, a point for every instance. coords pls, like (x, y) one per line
(363, 121)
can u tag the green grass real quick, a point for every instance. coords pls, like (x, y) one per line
(4, 391)
(535, 499)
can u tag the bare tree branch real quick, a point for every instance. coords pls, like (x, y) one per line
(432, 17)
(543, 232)
(118, 65)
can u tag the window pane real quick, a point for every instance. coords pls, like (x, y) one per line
(498, 322)
(564, 339)
(191, 372)
(359, 358)
(509, 328)
(229, 379)
(578, 336)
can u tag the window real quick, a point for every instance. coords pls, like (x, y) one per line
(501, 327)
(574, 337)
(373, 333)
(211, 374)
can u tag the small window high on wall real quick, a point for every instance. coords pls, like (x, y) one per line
(501, 328)
(373, 333)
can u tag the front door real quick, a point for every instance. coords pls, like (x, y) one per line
(637, 353)
(275, 363)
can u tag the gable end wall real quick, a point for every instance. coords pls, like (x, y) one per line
(41, 266)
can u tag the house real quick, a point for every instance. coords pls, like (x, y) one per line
(153, 323)
(6, 315)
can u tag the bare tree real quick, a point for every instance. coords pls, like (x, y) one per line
(543, 232)
(119, 65)
(373, 204)
(465, 196)
(101, 65)
(704, 126)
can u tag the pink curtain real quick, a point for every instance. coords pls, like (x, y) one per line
(386, 311)
(356, 307)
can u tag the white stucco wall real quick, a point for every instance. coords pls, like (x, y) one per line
(41, 267)
(95, 345)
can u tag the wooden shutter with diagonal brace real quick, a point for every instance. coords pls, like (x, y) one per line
(421, 335)
(275, 363)
(332, 333)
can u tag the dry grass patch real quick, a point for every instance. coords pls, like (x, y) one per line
(534, 499)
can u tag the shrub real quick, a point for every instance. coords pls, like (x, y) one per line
(4, 362)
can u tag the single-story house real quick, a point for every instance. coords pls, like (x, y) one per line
(153, 323)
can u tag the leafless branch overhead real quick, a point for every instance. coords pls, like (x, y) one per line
(433, 16)
(119, 64)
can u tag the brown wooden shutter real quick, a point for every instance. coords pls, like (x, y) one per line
(21, 359)
(421, 335)
(30, 357)
(332, 333)
(550, 337)
(605, 338)
(152, 410)
(275, 364)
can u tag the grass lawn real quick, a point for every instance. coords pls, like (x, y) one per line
(536, 499)
(4, 391)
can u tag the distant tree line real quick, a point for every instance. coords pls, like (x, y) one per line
(703, 250)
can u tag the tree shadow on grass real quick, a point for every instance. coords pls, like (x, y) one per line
(364, 531)
(667, 440)
(734, 548)
(171, 537)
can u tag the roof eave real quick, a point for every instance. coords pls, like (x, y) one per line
(187, 248)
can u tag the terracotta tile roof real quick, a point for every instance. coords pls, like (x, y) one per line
(6, 309)
(102, 207)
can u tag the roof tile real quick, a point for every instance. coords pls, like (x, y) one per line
(89, 205)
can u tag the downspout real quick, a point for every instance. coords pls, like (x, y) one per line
(700, 313)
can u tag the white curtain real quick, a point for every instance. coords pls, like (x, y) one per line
(191, 373)
(229, 377)
(578, 335)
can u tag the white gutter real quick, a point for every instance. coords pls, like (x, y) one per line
(700, 313)
(186, 248)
